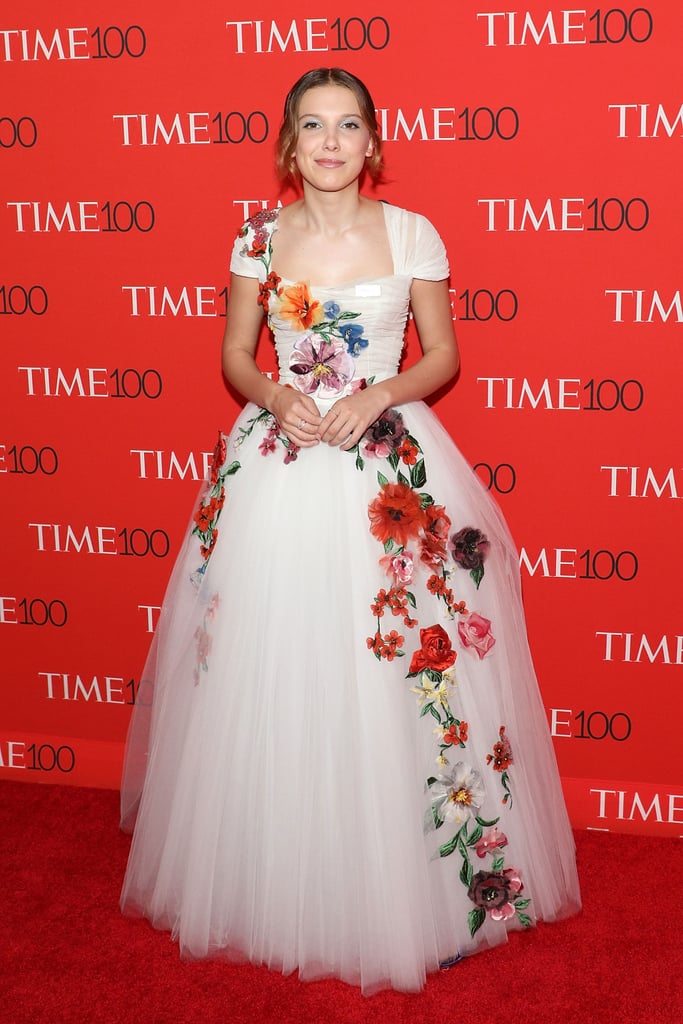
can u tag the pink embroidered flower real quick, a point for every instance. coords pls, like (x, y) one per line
(398, 566)
(475, 634)
(491, 840)
(212, 607)
(321, 366)
(268, 444)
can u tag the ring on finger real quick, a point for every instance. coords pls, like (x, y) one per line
(301, 424)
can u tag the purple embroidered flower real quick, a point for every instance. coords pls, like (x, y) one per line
(384, 436)
(495, 891)
(469, 548)
(353, 338)
(321, 366)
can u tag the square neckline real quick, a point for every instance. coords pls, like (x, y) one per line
(353, 280)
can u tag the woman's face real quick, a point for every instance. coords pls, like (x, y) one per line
(333, 140)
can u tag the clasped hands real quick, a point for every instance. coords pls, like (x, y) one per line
(342, 426)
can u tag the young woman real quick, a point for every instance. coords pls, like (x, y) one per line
(349, 771)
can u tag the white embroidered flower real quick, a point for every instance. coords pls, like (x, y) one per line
(457, 795)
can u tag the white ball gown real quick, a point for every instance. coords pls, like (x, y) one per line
(340, 763)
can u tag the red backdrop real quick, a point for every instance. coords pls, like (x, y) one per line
(544, 143)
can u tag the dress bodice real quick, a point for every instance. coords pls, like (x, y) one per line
(332, 340)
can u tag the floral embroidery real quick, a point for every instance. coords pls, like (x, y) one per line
(396, 514)
(321, 366)
(416, 532)
(491, 840)
(500, 760)
(323, 360)
(435, 653)
(469, 548)
(496, 893)
(385, 435)
(475, 634)
(273, 437)
(203, 638)
(298, 305)
(457, 795)
(207, 515)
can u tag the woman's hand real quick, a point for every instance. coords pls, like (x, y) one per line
(348, 419)
(298, 416)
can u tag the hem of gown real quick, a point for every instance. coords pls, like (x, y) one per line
(317, 971)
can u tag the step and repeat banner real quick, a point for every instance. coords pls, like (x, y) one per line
(545, 144)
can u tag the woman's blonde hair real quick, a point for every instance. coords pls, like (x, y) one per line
(286, 143)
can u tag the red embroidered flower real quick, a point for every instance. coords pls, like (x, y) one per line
(218, 459)
(455, 734)
(271, 284)
(501, 758)
(435, 653)
(433, 544)
(407, 452)
(396, 514)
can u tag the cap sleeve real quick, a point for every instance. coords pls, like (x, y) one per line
(416, 246)
(241, 262)
(431, 261)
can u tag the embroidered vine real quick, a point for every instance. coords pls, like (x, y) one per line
(209, 511)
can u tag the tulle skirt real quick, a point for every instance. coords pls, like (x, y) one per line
(339, 762)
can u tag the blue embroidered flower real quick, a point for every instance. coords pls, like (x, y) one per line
(332, 310)
(353, 339)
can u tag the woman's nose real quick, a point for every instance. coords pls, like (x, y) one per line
(331, 141)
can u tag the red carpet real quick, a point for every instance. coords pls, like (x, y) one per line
(68, 956)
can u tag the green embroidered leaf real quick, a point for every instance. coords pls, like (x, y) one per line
(388, 545)
(426, 709)
(402, 478)
(418, 474)
(521, 904)
(475, 919)
(414, 441)
(392, 459)
(426, 499)
(477, 575)
(359, 462)
(438, 821)
(434, 713)
(485, 823)
(466, 873)
(347, 316)
(447, 848)
(524, 920)
(232, 468)
(431, 780)
(382, 480)
(475, 836)
(498, 863)
(433, 675)
(411, 599)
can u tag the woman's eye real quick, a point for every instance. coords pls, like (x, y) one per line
(350, 124)
(311, 124)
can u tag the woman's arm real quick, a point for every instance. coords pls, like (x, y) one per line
(348, 419)
(242, 327)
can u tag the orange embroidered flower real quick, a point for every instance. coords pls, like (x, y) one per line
(298, 305)
(396, 514)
